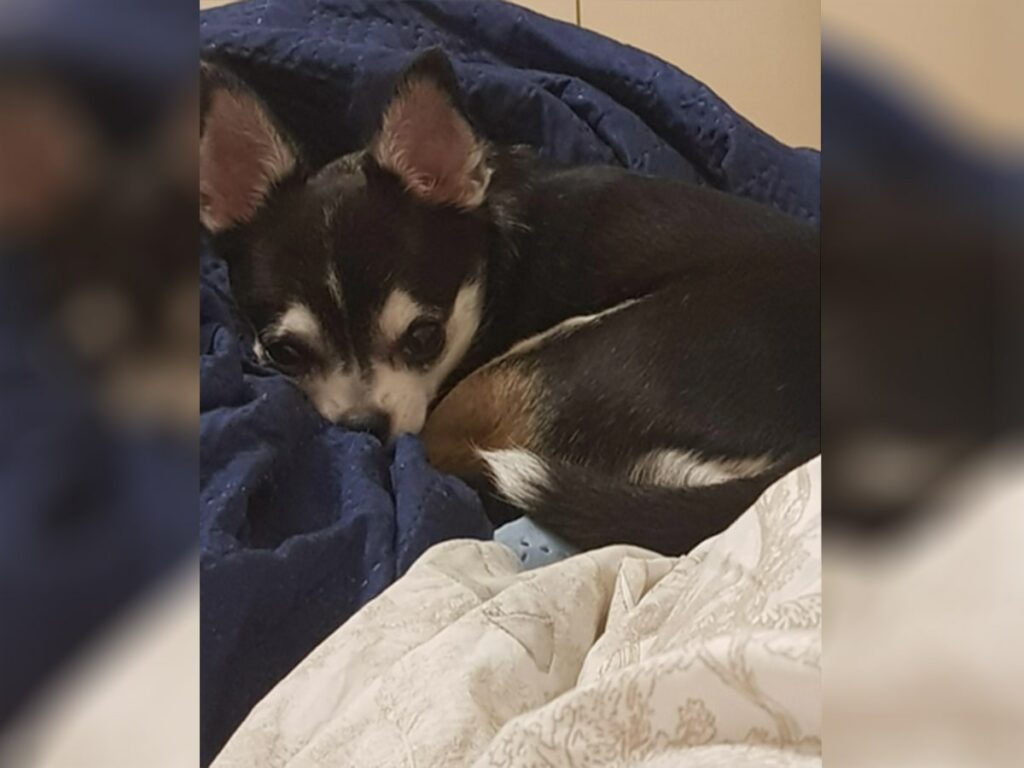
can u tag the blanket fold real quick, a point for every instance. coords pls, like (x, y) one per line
(614, 657)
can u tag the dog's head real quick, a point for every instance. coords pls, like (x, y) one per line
(363, 279)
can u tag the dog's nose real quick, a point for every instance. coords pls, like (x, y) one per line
(376, 423)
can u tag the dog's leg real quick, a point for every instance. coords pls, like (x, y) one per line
(496, 408)
(487, 431)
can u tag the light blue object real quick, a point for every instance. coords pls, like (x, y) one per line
(533, 545)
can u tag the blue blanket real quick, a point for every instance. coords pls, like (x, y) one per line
(302, 523)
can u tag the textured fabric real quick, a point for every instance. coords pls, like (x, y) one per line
(301, 523)
(614, 657)
(533, 545)
(327, 66)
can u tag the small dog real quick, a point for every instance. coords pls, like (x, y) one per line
(624, 358)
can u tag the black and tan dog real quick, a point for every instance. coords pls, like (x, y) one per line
(624, 358)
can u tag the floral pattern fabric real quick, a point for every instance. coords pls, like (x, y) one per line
(617, 657)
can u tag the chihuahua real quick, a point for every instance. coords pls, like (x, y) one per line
(624, 358)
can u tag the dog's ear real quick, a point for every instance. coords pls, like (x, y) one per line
(427, 142)
(243, 153)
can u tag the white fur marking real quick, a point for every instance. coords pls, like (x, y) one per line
(686, 469)
(334, 286)
(460, 330)
(520, 476)
(563, 329)
(398, 312)
(298, 320)
(407, 394)
(335, 393)
(403, 394)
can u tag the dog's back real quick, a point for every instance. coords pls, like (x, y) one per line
(665, 365)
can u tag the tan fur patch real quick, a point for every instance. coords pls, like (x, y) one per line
(495, 408)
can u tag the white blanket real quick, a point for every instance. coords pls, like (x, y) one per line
(618, 657)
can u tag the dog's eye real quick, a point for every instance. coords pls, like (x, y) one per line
(423, 341)
(286, 356)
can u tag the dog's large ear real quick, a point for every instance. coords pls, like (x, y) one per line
(242, 151)
(427, 142)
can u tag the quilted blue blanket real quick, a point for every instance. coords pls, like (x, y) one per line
(302, 523)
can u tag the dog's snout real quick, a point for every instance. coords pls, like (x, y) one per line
(376, 423)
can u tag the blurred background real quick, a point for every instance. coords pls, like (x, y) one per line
(923, 284)
(98, 383)
(922, 129)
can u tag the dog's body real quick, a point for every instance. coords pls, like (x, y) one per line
(624, 358)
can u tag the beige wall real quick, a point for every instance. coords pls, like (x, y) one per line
(761, 56)
(564, 10)
(963, 58)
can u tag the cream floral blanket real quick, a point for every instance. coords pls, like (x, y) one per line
(617, 657)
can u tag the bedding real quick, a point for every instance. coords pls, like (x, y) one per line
(613, 657)
(301, 523)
